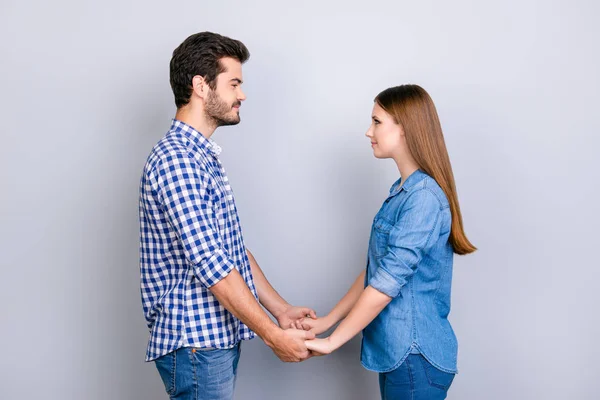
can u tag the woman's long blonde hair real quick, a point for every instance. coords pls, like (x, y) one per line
(412, 107)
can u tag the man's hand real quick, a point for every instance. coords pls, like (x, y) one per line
(290, 345)
(289, 317)
(319, 347)
(316, 325)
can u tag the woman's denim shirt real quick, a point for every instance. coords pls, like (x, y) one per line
(410, 260)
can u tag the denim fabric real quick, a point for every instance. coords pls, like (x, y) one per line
(410, 259)
(199, 374)
(415, 379)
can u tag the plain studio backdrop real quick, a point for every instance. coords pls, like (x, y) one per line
(85, 95)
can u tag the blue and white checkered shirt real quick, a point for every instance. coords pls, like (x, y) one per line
(190, 239)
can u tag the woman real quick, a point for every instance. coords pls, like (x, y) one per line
(402, 300)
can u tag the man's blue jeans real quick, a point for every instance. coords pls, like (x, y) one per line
(199, 374)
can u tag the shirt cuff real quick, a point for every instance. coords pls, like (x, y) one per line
(216, 268)
(384, 282)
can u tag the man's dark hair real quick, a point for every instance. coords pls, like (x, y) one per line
(199, 54)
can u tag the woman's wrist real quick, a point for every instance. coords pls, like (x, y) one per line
(333, 343)
(330, 320)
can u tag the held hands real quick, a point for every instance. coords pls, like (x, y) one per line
(300, 326)
(289, 345)
(315, 325)
(320, 347)
(291, 315)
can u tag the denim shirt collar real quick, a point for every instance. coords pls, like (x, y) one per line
(411, 181)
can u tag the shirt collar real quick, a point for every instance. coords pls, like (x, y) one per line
(410, 182)
(196, 137)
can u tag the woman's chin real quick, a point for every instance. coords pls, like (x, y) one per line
(378, 154)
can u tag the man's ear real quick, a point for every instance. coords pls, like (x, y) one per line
(199, 86)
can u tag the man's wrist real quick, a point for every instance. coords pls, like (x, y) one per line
(273, 336)
(279, 309)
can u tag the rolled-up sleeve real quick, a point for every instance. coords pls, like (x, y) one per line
(412, 235)
(183, 188)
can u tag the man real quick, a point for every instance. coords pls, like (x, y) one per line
(199, 283)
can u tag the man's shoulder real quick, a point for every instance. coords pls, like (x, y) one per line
(172, 146)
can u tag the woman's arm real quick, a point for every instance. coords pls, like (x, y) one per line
(411, 237)
(370, 303)
(339, 312)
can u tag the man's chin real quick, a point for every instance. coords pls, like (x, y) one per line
(230, 121)
(235, 119)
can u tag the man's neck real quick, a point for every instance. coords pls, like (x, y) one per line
(196, 120)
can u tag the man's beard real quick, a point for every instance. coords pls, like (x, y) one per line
(219, 111)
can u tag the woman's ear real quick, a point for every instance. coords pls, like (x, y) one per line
(401, 129)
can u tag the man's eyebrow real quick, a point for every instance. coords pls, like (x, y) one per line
(238, 80)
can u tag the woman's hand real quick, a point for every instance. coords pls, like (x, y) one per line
(320, 347)
(315, 325)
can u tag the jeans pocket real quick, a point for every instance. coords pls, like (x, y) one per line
(166, 366)
(436, 377)
(218, 361)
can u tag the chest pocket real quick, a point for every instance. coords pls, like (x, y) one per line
(381, 234)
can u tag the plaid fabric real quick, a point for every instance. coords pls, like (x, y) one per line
(190, 239)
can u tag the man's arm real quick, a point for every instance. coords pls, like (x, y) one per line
(267, 295)
(183, 188)
(233, 294)
(286, 314)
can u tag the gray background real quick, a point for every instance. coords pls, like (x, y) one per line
(85, 95)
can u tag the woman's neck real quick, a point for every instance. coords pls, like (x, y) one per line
(406, 167)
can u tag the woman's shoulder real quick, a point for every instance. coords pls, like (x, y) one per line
(429, 189)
